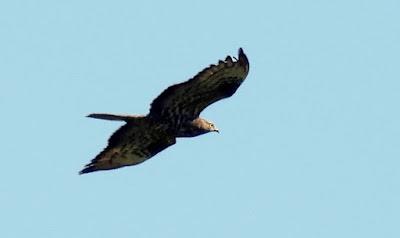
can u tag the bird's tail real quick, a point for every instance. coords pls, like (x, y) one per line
(114, 117)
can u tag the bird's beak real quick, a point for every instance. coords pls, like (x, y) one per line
(216, 130)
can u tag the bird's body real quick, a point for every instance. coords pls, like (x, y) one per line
(175, 113)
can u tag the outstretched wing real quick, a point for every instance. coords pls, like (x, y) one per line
(185, 101)
(131, 144)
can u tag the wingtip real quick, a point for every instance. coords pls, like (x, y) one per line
(82, 172)
(87, 170)
(241, 52)
(243, 60)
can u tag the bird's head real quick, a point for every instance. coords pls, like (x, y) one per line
(212, 127)
(196, 127)
(205, 125)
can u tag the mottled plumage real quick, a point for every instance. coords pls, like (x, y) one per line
(174, 113)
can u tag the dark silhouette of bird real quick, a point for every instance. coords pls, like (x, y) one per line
(174, 113)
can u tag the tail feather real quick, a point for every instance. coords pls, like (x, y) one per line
(112, 117)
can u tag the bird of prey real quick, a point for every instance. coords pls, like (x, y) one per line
(174, 113)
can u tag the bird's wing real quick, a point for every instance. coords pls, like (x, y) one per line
(131, 144)
(186, 100)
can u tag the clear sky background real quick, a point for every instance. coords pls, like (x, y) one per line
(309, 144)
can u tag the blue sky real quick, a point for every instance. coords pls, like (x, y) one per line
(309, 145)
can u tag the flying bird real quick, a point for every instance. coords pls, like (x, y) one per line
(174, 113)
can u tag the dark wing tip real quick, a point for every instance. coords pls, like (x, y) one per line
(243, 60)
(88, 169)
